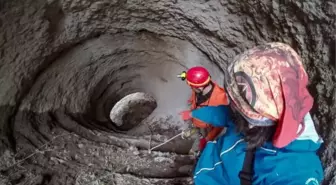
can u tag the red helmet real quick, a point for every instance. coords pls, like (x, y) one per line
(198, 76)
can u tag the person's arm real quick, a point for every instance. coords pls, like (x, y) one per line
(217, 116)
(213, 133)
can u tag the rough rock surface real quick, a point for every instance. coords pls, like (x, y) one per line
(65, 63)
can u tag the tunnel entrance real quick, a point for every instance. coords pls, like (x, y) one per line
(132, 109)
(120, 98)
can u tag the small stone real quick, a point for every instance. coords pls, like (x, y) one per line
(96, 6)
(80, 145)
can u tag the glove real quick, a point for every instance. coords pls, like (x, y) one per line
(188, 133)
(185, 115)
(202, 144)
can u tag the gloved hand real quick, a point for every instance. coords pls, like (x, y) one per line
(188, 133)
(185, 115)
(202, 144)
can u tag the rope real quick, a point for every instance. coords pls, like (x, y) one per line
(150, 150)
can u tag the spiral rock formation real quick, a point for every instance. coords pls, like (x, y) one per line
(88, 86)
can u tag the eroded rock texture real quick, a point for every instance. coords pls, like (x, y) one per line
(65, 63)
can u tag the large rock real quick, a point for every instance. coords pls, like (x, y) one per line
(64, 64)
(132, 109)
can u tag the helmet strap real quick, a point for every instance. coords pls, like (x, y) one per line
(201, 98)
(206, 88)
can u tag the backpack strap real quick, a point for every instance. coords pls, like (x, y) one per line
(246, 174)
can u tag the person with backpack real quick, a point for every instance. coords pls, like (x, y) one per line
(270, 136)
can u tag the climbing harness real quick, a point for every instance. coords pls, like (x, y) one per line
(246, 174)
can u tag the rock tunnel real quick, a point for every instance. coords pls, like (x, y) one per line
(88, 86)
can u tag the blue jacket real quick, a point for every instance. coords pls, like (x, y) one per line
(222, 159)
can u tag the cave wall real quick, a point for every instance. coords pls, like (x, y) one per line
(36, 33)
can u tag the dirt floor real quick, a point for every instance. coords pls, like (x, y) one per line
(66, 63)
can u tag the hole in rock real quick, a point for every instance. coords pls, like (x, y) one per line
(103, 103)
(74, 76)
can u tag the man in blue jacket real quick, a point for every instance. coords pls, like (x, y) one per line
(269, 118)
